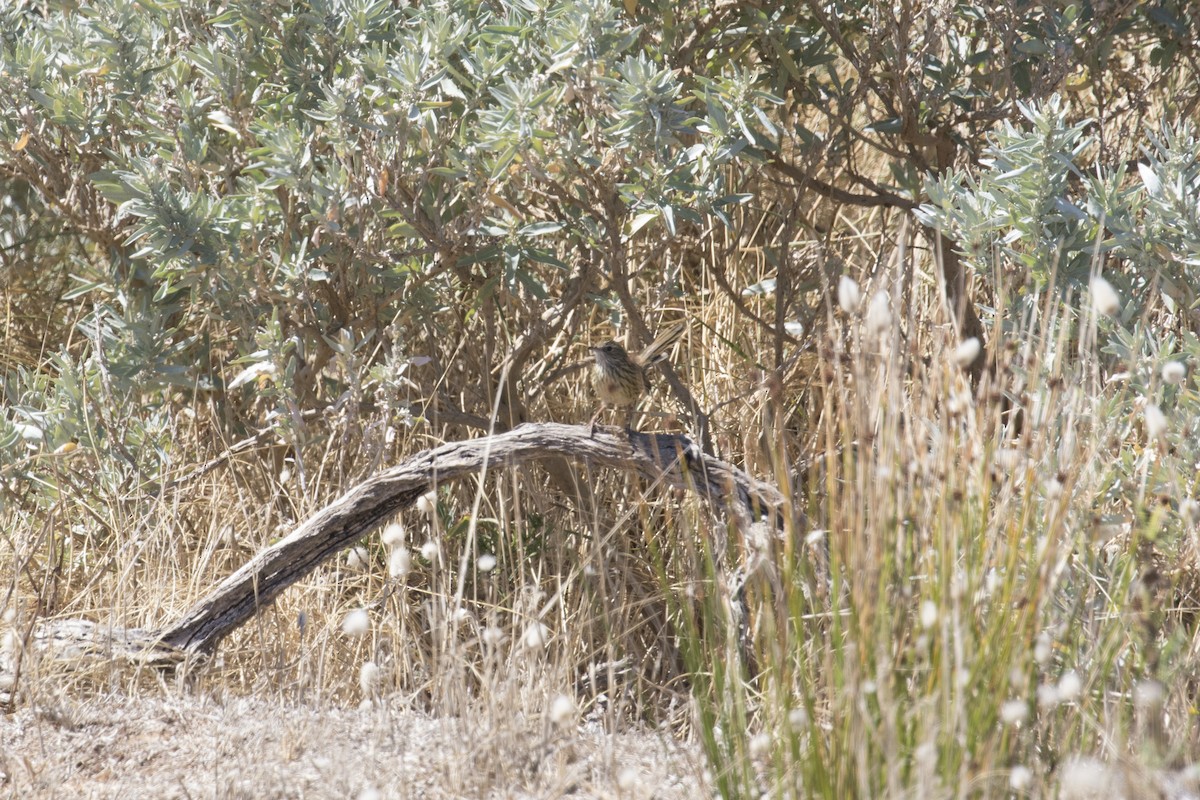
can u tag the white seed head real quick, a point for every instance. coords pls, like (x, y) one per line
(356, 623)
(562, 711)
(1174, 372)
(956, 404)
(966, 353)
(400, 562)
(628, 779)
(1014, 711)
(926, 755)
(879, 314)
(1020, 778)
(1148, 695)
(1189, 510)
(369, 793)
(535, 637)
(1043, 648)
(492, 636)
(1156, 422)
(1070, 686)
(393, 534)
(1054, 489)
(1104, 297)
(848, 294)
(368, 678)
(929, 614)
(486, 562)
(1066, 445)
(358, 559)
(1089, 778)
(798, 719)
(991, 581)
(958, 586)
(427, 504)
(1016, 677)
(1008, 459)
(760, 745)
(429, 551)
(1048, 696)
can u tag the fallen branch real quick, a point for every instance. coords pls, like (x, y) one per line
(669, 459)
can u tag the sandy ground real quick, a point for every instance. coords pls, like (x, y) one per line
(194, 747)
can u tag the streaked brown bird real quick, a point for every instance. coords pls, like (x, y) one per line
(620, 379)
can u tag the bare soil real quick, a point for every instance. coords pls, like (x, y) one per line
(190, 746)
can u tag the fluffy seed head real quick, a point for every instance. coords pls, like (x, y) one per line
(760, 745)
(1156, 422)
(393, 534)
(1048, 696)
(929, 614)
(1086, 778)
(1148, 695)
(429, 551)
(562, 711)
(356, 623)
(1014, 711)
(1174, 372)
(1043, 648)
(358, 559)
(427, 503)
(849, 296)
(535, 636)
(1070, 686)
(879, 314)
(966, 353)
(1104, 297)
(1053, 488)
(400, 562)
(368, 678)
(926, 755)
(798, 719)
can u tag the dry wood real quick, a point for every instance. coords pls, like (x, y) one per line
(670, 459)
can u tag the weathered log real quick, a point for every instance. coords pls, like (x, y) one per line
(669, 459)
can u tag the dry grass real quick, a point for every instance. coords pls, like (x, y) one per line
(959, 601)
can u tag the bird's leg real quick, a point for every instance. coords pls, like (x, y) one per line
(592, 424)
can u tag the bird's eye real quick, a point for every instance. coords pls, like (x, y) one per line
(608, 348)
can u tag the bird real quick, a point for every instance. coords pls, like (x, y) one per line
(619, 379)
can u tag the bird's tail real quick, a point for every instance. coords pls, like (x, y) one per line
(657, 350)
